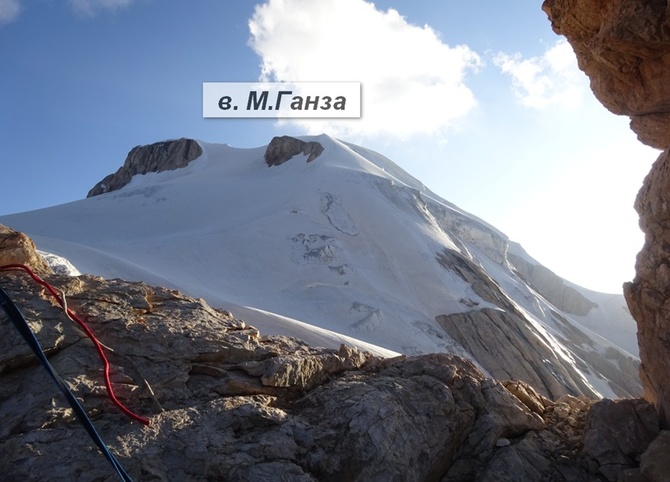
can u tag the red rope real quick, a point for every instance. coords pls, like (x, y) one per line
(89, 333)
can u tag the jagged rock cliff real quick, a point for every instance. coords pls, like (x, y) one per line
(649, 294)
(500, 341)
(624, 48)
(226, 403)
(157, 157)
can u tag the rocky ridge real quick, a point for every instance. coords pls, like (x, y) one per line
(175, 154)
(229, 404)
(624, 48)
(157, 157)
(283, 148)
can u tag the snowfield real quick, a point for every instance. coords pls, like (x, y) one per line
(345, 249)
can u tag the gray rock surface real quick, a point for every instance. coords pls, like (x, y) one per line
(655, 462)
(228, 404)
(508, 348)
(648, 294)
(617, 432)
(506, 345)
(283, 148)
(157, 157)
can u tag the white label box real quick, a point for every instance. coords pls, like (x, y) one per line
(281, 100)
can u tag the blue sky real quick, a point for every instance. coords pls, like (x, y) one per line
(479, 100)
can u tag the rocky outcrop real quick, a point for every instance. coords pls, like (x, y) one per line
(283, 148)
(226, 403)
(17, 248)
(507, 345)
(624, 47)
(158, 157)
(507, 348)
(648, 295)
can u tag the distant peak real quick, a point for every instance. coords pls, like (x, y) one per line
(157, 157)
(283, 148)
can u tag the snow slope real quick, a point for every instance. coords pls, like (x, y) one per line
(347, 248)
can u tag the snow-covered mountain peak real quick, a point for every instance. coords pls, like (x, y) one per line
(350, 245)
(224, 161)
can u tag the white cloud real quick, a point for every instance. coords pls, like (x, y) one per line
(9, 11)
(553, 78)
(412, 82)
(90, 7)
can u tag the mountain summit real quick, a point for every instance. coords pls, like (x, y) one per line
(335, 244)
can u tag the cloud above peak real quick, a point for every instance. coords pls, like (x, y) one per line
(551, 79)
(92, 7)
(9, 11)
(412, 82)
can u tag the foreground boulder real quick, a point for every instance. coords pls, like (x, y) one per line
(617, 433)
(17, 248)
